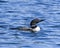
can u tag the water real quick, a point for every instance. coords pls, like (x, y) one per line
(14, 13)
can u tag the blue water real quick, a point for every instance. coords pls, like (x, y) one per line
(14, 13)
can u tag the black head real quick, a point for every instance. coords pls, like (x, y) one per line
(35, 21)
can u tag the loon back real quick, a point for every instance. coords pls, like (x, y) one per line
(22, 28)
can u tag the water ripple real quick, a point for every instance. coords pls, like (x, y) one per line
(1, 1)
(19, 13)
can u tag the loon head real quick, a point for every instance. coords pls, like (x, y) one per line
(35, 21)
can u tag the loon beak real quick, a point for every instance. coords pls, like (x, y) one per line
(41, 20)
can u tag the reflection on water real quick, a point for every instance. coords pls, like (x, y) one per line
(19, 13)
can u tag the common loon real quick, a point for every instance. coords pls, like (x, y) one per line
(33, 27)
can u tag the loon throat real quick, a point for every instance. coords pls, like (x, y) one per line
(36, 29)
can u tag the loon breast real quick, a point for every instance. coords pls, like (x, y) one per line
(36, 29)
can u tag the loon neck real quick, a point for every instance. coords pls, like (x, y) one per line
(33, 26)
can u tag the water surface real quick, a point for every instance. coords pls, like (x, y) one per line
(14, 13)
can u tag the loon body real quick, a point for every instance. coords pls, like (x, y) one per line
(33, 27)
